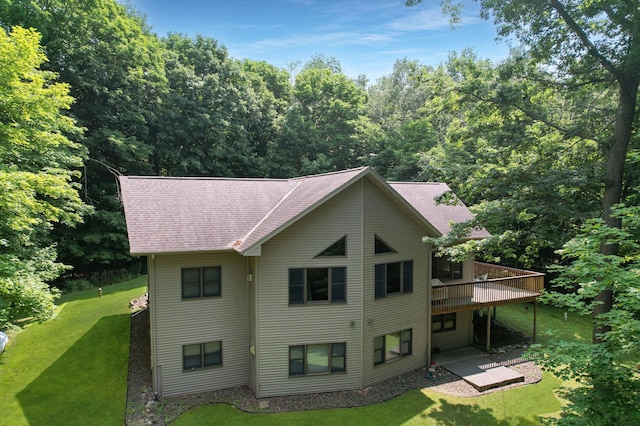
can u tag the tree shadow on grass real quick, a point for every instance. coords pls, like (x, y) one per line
(87, 384)
(462, 414)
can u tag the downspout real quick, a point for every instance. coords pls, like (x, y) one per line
(362, 344)
(256, 324)
(157, 379)
(429, 291)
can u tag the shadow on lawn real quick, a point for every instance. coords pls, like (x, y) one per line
(87, 384)
(462, 414)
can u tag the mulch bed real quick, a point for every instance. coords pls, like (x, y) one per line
(144, 409)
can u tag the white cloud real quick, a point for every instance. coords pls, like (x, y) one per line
(431, 19)
(331, 38)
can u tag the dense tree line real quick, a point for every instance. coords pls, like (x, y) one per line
(518, 143)
(539, 146)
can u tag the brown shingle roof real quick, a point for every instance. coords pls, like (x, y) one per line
(421, 195)
(166, 215)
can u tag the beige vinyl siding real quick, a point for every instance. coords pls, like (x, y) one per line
(181, 322)
(467, 269)
(395, 312)
(460, 337)
(252, 266)
(281, 325)
(151, 290)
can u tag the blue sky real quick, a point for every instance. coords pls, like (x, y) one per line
(366, 36)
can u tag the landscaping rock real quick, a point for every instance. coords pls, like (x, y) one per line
(142, 407)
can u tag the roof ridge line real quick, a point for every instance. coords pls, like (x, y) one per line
(216, 178)
(269, 213)
(335, 172)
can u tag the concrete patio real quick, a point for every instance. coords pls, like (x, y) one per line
(473, 367)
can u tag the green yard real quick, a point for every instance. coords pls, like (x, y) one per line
(520, 317)
(520, 406)
(73, 370)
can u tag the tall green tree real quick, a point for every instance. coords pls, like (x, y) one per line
(38, 187)
(209, 114)
(270, 95)
(594, 44)
(326, 127)
(394, 104)
(529, 184)
(115, 70)
(609, 391)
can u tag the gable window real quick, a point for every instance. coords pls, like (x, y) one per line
(339, 248)
(392, 346)
(382, 247)
(393, 278)
(317, 359)
(443, 322)
(310, 285)
(201, 282)
(201, 355)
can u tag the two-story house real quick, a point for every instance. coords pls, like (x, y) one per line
(312, 284)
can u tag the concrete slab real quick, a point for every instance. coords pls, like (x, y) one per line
(494, 377)
(482, 374)
(455, 355)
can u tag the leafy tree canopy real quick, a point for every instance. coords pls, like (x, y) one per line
(37, 188)
(607, 372)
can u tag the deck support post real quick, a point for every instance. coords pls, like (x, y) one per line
(488, 329)
(535, 318)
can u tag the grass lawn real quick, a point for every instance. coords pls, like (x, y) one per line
(520, 406)
(73, 368)
(550, 318)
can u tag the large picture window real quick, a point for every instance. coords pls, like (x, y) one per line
(317, 285)
(323, 358)
(443, 322)
(201, 355)
(201, 282)
(392, 346)
(393, 278)
(444, 269)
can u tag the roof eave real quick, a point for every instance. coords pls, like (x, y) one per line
(257, 246)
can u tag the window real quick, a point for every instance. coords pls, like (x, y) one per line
(393, 278)
(443, 322)
(392, 346)
(382, 247)
(201, 355)
(339, 248)
(310, 285)
(445, 270)
(317, 359)
(201, 282)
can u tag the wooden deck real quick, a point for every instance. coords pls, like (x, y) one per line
(499, 286)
